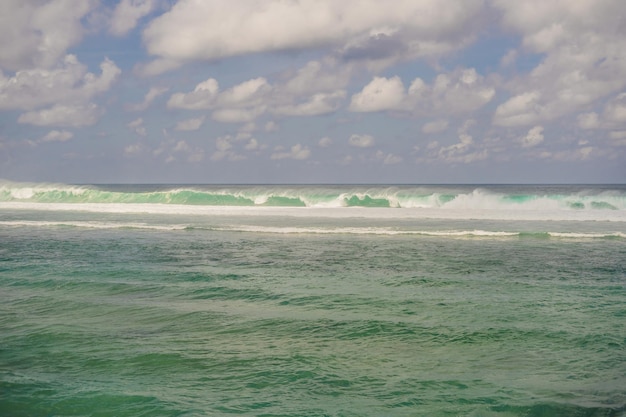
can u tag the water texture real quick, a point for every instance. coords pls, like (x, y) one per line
(108, 310)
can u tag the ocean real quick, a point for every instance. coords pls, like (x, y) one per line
(316, 300)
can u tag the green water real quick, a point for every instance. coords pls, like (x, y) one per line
(127, 322)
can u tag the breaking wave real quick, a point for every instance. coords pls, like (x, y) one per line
(299, 230)
(534, 198)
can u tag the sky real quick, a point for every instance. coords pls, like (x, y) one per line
(313, 91)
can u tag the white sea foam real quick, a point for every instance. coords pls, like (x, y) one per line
(330, 212)
(572, 235)
(365, 231)
(91, 225)
(295, 230)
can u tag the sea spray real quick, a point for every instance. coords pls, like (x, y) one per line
(445, 197)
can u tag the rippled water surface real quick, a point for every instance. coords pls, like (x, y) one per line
(141, 314)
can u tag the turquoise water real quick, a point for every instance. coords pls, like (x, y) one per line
(500, 302)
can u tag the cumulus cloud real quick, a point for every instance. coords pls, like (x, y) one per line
(227, 146)
(181, 146)
(240, 103)
(252, 145)
(137, 127)
(57, 136)
(297, 151)
(190, 124)
(583, 51)
(152, 94)
(520, 110)
(370, 29)
(466, 150)
(133, 150)
(435, 126)
(361, 141)
(380, 94)
(615, 110)
(247, 93)
(230, 115)
(460, 91)
(127, 13)
(613, 115)
(36, 34)
(325, 142)
(388, 158)
(63, 115)
(295, 95)
(202, 97)
(68, 82)
(533, 138)
(271, 126)
(317, 104)
(588, 120)
(618, 137)
(314, 77)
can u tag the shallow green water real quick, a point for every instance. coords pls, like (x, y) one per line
(102, 317)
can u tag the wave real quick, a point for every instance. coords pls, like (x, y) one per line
(532, 198)
(291, 230)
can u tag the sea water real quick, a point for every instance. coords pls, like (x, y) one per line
(312, 300)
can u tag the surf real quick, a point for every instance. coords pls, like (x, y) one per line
(584, 203)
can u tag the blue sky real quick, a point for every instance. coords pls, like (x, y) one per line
(281, 91)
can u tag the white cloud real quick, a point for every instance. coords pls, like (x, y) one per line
(295, 152)
(380, 94)
(196, 156)
(57, 136)
(271, 126)
(237, 115)
(618, 138)
(246, 101)
(360, 29)
(583, 47)
(156, 67)
(135, 123)
(533, 138)
(252, 145)
(223, 143)
(317, 104)
(509, 58)
(153, 93)
(615, 110)
(466, 150)
(460, 91)
(588, 120)
(63, 115)
(435, 126)
(226, 146)
(68, 83)
(181, 146)
(245, 93)
(36, 34)
(325, 142)
(361, 141)
(127, 13)
(132, 150)
(190, 124)
(389, 158)
(241, 103)
(520, 110)
(137, 127)
(314, 77)
(613, 115)
(202, 97)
